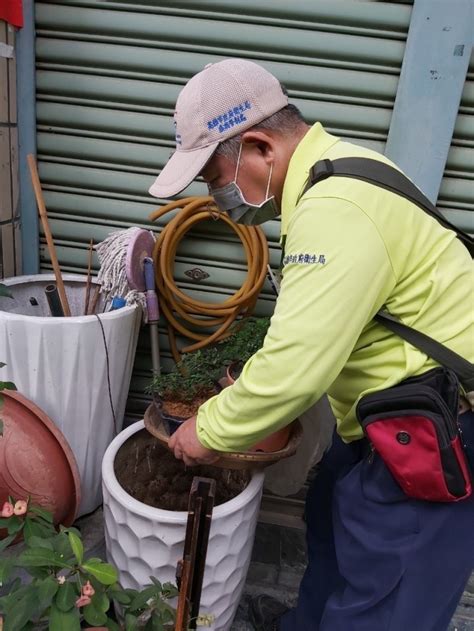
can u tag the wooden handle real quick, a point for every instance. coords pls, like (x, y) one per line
(49, 239)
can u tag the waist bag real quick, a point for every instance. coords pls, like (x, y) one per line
(414, 426)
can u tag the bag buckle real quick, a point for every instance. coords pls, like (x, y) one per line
(320, 171)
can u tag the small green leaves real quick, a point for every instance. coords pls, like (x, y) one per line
(66, 597)
(37, 528)
(21, 609)
(41, 557)
(93, 613)
(7, 385)
(103, 572)
(4, 543)
(41, 512)
(64, 620)
(66, 588)
(46, 591)
(76, 545)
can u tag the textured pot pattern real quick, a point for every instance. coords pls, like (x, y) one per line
(61, 365)
(143, 541)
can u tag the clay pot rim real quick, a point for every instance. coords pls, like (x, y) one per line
(113, 487)
(61, 441)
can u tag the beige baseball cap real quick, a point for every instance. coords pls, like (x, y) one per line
(219, 102)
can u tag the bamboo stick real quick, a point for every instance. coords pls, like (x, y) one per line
(49, 239)
(95, 299)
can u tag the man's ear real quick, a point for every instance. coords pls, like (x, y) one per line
(262, 141)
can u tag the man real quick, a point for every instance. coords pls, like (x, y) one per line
(378, 560)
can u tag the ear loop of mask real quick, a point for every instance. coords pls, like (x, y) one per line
(237, 172)
(238, 163)
(269, 181)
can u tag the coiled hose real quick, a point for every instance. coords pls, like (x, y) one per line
(181, 311)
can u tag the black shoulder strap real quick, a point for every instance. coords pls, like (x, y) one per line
(385, 176)
(440, 353)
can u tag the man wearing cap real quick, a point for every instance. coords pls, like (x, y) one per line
(378, 560)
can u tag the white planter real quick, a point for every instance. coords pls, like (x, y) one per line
(61, 365)
(143, 541)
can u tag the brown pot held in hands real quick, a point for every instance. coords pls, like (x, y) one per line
(276, 441)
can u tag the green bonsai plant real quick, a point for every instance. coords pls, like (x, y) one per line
(194, 380)
(196, 376)
(67, 589)
(246, 339)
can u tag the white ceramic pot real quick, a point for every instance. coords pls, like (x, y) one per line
(61, 364)
(143, 541)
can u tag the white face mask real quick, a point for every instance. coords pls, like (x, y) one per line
(231, 200)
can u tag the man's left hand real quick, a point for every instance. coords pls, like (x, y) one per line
(185, 445)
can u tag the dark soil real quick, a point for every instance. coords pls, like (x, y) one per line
(152, 475)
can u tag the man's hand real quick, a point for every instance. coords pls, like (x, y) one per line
(186, 446)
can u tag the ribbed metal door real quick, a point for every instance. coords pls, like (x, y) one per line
(108, 74)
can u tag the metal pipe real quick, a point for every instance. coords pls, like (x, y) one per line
(26, 99)
(54, 301)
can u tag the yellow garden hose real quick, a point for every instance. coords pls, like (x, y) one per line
(181, 311)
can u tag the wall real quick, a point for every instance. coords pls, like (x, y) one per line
(10, 264)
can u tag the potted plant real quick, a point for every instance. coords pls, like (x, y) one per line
(246, 339)
(68, 592)
(195, 379)
(199, 375)
(145, 514)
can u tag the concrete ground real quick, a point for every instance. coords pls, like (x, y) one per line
(278, 562)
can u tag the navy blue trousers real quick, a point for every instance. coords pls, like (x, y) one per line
(378, 560)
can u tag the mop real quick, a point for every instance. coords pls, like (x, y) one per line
(125, 261)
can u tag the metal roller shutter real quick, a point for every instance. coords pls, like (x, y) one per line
(108, 74)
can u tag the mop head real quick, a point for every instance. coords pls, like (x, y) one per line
(116, 274)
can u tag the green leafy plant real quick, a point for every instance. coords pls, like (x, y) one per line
(195, 376)
(246, 339)
(67, 588)
(199, 371)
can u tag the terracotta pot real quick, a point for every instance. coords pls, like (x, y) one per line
(276, 441)
(36, 460)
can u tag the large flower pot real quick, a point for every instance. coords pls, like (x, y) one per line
(144, 541)
(65, 367)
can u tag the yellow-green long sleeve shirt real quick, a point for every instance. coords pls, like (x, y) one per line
(351, 248)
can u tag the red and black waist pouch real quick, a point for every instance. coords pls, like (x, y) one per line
(414, 428)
